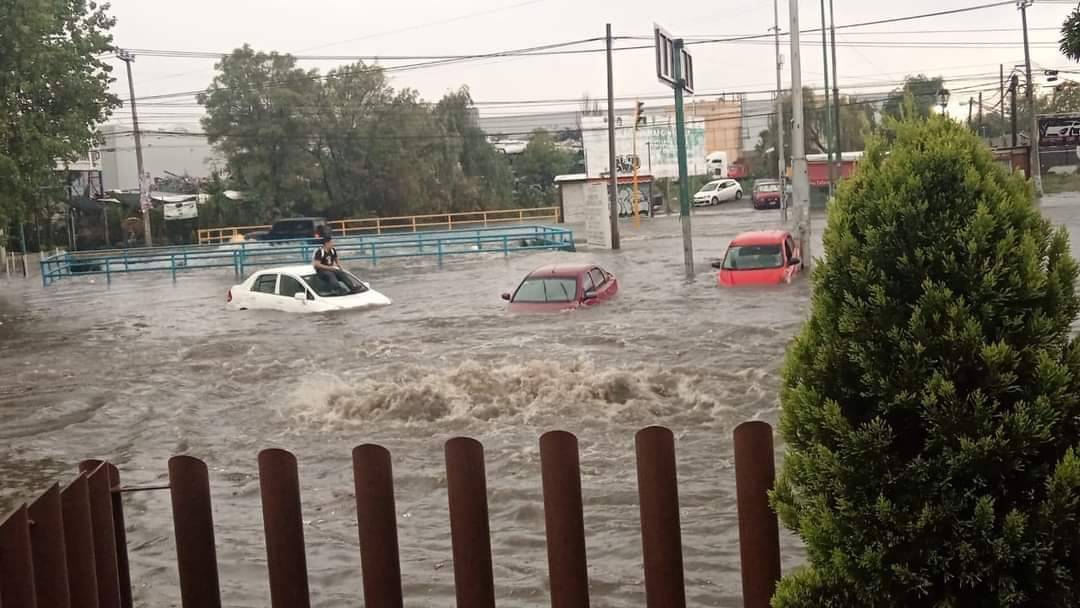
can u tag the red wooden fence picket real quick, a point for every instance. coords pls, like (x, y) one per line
(68, 549)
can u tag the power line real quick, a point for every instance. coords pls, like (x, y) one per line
(551, 47)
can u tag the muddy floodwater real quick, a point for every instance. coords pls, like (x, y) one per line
(148, 368)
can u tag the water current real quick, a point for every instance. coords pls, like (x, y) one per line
(148, 368)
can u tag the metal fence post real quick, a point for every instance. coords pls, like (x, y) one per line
(470, 535)
(108, 274)
(506, 245)
(375, 516)
(759, 533)
(172, 264)
(563, 520)
(283, 525)
(193, 522)
(660, 531)
(119, 530)
(439, 251)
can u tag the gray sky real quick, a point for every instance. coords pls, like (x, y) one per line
(421, 27)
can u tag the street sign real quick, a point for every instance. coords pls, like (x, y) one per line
(665, 55)
(687, 71)
(665, 60)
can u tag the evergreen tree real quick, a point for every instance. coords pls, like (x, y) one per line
(931, 404)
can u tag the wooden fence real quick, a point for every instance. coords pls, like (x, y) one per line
(68, 547)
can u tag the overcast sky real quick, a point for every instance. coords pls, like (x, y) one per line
(869, 58)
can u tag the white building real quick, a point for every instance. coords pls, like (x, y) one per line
(173, 153)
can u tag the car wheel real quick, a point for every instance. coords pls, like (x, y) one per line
(714, 202)
(738, 195)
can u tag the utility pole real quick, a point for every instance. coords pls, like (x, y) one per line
(971, 107)
(780, 162)
(835, 94)
(614, 195)
(1033, 140)
(800, 179)
(980, 115)
(1012, 90)
(1001, 70)
(684, 178)
(828, 111)
(128, 58)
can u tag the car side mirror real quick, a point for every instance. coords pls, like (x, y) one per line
(300, 295)
(506, 297)
(590, 295)
(794, 262)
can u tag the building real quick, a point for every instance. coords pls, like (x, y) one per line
(519, 126)
(722, 120)
(175, 153)
(756, 114)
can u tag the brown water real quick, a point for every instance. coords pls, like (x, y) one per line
(147, 369)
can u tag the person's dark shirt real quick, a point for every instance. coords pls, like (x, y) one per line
(327, 257)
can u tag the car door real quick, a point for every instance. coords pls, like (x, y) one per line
(264, 291)
(288, 287)
(790, 253)
(602, 283)
(587, 285)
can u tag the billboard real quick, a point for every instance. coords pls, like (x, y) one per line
(1059, 130)
(656, 149)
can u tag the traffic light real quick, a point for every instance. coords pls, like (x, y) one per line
(639, 113)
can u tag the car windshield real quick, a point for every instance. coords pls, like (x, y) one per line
(753, 257)
(709, 187)
(768, 188)
(321, 287)
(536, 290)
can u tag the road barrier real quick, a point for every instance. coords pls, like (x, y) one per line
(68, 548)
(242, 256)
(406, 223)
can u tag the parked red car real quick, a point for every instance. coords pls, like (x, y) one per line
(555, 288)
(766, 194)
(760, 258)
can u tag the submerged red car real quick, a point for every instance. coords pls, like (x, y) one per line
(562, 287)
(760, 258)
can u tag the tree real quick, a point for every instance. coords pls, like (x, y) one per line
(924, 94)
(486, 179)
(1070, 36)
(54, 91)
(256, 116)
(931, 403)
(537, 167)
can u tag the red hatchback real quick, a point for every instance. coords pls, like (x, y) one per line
(555, 288)
(768, 257)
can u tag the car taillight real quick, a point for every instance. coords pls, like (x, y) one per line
(228, 296)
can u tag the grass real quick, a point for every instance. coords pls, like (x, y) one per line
(1055, 184)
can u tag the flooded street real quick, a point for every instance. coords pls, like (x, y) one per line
(147, 368)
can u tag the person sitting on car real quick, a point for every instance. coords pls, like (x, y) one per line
(328, 268)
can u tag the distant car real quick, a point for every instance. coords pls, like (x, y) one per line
(311, 229)
(555, 288)
(760, 258)
(299, 289)
(766, 194)
(718, 191)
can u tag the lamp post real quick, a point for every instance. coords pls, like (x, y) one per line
(943, 100)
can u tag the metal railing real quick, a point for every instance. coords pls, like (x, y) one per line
(68, 547)
(242, 256)
(406, 223)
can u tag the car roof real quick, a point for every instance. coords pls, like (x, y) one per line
(299, 270)
(761, 237)
(562, 270)
(766, 182)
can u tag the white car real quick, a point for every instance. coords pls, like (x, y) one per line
(299, 289)
(718, 191)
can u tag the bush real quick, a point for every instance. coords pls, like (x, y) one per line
(931, 404)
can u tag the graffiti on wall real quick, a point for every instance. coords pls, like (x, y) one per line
(656, 149)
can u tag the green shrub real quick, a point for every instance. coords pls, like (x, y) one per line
(931, 404)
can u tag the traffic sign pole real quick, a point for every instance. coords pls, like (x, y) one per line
(680, 142)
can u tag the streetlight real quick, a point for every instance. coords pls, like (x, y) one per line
(943, 100)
